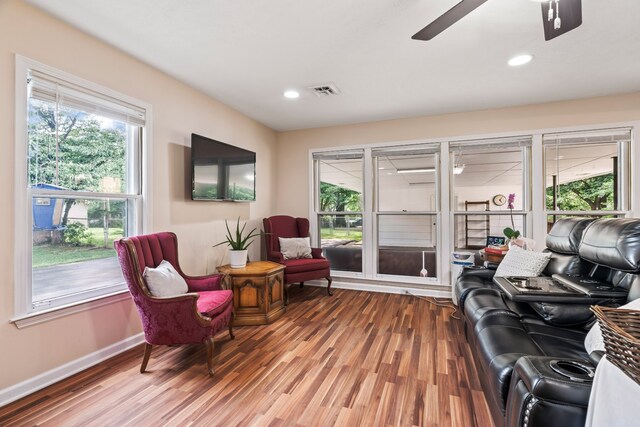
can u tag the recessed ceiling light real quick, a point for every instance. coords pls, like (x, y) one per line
(292, 94)
(520, 60)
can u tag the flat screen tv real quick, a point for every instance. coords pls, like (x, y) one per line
(221, 171)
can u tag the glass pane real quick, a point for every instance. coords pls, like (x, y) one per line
(74, 150)
(206, 185)
(480, 176)
(340, 185)
(341, 241)
(472, 231)
(407, 183)
(407, 245)
(581, 177)
(241, 182)
(73, 245)
(551, 219)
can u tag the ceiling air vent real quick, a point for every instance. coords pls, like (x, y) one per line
(324, 89)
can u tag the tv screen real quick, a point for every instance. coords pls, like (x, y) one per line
(221, 171)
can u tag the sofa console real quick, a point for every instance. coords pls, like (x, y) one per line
(530, 352)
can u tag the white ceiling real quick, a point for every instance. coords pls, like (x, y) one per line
(247, 53)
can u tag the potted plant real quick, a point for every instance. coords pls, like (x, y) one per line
(238, 243)
(512, 235)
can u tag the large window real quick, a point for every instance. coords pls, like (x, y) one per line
(394, 213)
(339, 207)
(484, 174)
(82, 157)
(587, 173)
(406, 210)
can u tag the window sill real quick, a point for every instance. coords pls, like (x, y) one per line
(43, 316)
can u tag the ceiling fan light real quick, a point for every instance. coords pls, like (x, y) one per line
(520, 60)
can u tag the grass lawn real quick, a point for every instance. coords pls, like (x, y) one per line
(341, 233)
(47, 255)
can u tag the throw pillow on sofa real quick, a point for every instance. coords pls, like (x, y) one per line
(164, 280)
(594, 341)
(519, 262)
(295, 247)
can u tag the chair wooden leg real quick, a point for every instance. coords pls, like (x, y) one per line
(329, 279)
(231, 331)
(210, 344)
(286, 294)
(145, 358)
(301, 284)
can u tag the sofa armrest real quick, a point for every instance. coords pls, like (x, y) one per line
(316, 252)
(541, 396)
(484, 273)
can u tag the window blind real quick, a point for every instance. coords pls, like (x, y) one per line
(406, 150)
(339, 155)
(47, 88)
(589, 137)
(490, 144)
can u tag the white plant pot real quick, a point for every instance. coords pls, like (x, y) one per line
(238, 259)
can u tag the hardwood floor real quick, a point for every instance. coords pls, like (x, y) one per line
(354, 359)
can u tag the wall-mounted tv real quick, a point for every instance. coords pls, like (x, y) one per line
(221, 171)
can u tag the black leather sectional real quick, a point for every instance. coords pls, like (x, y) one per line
(530, 355)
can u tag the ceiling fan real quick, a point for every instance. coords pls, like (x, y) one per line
(556, 21)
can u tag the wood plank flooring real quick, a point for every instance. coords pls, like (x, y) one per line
(354, 359)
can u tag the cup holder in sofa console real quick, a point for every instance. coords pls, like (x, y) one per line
(575, 371)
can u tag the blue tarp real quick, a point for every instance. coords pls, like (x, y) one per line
(47, 211)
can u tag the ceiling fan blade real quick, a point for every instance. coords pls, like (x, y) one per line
(447, 19)
(570, 15)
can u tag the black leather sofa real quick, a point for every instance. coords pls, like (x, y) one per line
(515, 344)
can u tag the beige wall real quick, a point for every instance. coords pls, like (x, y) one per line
(294, 146)
(178, 110)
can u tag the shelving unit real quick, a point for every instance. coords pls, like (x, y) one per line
(476, 226)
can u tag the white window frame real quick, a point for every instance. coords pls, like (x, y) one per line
(316, 212)
(527, 178)
(376, 213)
(535, 212)
(625, 151)
(24, 312)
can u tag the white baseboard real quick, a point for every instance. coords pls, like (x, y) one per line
(45, 379)
(386, 289)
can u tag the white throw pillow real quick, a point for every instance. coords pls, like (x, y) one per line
(594, 341)
(518, 262)
(164, 280)
(295, 247)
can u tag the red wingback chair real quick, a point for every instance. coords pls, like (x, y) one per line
(296, 270)
(191, 318)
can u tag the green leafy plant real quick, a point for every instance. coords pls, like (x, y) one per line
(76, 234)
(237, 240)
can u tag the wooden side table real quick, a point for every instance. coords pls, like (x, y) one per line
(258, 292)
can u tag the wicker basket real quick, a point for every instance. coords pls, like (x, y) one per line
(621, 334)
